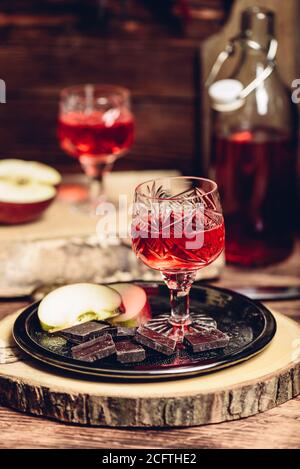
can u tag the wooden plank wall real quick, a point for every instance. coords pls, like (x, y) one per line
(49, 44)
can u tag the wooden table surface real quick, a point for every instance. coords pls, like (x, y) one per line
(277, 428)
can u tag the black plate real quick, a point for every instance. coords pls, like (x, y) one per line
(250, 325)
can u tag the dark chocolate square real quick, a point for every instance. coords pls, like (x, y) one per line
(95, 349)
(206, 339)
(155, 340)
(128, 352)
(85, 331)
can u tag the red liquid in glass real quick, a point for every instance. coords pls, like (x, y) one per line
(255, 174)
(168, 252)
(91, 135)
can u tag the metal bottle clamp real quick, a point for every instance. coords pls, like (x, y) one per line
(228, 52)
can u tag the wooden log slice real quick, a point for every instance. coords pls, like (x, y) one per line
(254, 386)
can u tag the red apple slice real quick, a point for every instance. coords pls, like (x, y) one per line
(20, 203)
(27, 188)
(135, 302)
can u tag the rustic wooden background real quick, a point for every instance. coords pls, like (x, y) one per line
(48, 44)
(154, 50)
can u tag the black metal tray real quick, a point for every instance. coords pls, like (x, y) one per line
(250, 325)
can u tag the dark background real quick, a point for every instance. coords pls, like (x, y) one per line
(149, 46)
(160, 49)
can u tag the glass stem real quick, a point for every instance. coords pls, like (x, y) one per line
(179, 285)
(96, 190)
(95, 171)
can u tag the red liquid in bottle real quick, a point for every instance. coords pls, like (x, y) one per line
(93, 135)
(255, 174)
(167, 251)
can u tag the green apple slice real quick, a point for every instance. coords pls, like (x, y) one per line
(73, 304)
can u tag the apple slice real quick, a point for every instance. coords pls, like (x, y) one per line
(20, 203)
(135, 302)
(20, 170)
(27, 188)
(73, 304)
(27, 193)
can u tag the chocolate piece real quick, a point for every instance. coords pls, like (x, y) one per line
(155, 340)
(125, 331)
(112, 330)
(94, 349)
(128, 352)
(85, 331)
(206, 339)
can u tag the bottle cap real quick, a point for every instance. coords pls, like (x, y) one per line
(225, 94)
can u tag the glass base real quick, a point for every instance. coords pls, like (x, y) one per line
(196, 320)
(80, 199)
(87, 207)
(73, 192)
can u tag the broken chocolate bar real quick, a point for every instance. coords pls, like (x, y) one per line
(112, 330)
(94, 349)
(128, 352)
(125, 332)
(155, 340)
(85, 331)
(204, 339)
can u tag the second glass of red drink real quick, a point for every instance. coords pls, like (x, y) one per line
(95, 126)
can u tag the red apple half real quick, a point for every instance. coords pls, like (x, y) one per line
(24, 203)
(27, 188)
